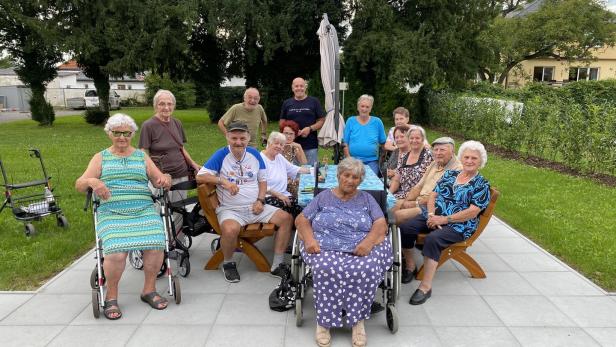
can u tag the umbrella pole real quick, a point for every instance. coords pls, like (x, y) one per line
(337, 152)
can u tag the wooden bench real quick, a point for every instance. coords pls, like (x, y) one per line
(249, 234)
(457, 251)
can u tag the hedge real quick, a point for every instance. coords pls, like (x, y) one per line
(574, 125)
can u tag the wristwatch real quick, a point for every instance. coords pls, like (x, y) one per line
(449, 219)
(261, 200)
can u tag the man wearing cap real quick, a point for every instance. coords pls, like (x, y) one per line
(407, 211)
(250, 113)
(239, 174)
(307, 112)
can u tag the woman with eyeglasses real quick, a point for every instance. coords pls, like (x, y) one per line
(127, 219)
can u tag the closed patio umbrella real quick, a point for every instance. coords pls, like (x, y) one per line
(330, 134)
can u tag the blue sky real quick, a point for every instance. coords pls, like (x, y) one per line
(611, 5)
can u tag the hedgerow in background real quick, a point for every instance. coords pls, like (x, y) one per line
(574, 125)
(184, 92)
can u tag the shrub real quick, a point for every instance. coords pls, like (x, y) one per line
(42, 111)
(131, 102)
(575, 125)
(96, 116)
(184, 92)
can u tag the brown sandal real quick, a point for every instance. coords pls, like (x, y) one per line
(155, 304)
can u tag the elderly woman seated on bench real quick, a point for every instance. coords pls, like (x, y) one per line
(452, 213)
(342, 232)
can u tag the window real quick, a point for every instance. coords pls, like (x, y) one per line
(583, 74)
(121, 86)
(543, 73)
(130, 87)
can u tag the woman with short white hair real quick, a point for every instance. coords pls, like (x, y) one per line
(452, 213)
(278, 171)
(127, 220)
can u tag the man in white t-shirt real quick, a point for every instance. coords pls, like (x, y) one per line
(240, 177)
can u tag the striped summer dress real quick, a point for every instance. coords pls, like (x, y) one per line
(128, 220)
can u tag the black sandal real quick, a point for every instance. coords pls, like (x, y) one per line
(149, 299)
(111, 307)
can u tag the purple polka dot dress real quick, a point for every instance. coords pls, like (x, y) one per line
(344, 284)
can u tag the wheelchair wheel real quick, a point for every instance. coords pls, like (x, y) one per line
(215, 245)
(184, 266)
(391, 314)
(136, 259)
(298, 312)
(96, 307)
(177, 291)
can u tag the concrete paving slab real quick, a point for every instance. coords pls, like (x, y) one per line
(604, 336)
(476, 336)
(170, 335)
(532, 262)
(593, 311)
(527, 311)
(509, 245)
(195, 309)
(503, 283)
(246, 335)
(93, 335)
(52, 309)
(546, 336)
(28, 335)
(248, 309)
(461, 311)
(489, 262)
(10, 302)
(561, 284)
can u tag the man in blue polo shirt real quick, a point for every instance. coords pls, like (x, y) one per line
(239, 174)
(307, 112)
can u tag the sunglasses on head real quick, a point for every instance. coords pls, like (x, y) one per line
(121, 133)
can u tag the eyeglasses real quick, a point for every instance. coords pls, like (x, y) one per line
(121, 133)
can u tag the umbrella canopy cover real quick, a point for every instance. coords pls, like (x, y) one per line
(328, 37)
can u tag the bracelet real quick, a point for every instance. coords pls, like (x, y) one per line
(449, 219)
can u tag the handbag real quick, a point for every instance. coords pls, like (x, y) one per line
(282, 298)
(191, 170)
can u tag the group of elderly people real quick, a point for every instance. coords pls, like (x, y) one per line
(342, 230)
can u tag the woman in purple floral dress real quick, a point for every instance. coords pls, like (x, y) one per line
(343, 241)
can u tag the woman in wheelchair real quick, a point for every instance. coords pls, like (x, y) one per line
(342, 232)
(127, 219)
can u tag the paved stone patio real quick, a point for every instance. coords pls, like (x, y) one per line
(529, 298)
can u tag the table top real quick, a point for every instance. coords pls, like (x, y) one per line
(306, 185)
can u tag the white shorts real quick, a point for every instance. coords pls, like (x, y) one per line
(244, 215)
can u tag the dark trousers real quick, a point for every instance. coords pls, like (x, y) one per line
(436, 241)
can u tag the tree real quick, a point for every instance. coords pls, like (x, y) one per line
(28, 33)
(271, 42)
(398, 43)
(561, 29)
(115, 37)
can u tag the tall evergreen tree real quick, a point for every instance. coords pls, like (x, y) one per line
(28, 32)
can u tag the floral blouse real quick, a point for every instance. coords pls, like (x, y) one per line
(454, 197)
(411, 174)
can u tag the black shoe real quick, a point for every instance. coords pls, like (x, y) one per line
(230, 272)
(420, 297)
(407, 276)
(281, 270)
(376, 307)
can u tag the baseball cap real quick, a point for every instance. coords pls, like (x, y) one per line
(237, 126)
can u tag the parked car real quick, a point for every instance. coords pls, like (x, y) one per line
(90, 100)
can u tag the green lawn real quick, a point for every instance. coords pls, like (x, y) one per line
(569, 217)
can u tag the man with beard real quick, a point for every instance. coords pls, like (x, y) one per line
(240, 177)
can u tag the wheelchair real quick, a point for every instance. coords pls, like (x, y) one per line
(390, 286)
(97, 277)
(193, 224)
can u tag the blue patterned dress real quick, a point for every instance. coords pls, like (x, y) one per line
(344, 284)
(128, 220)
